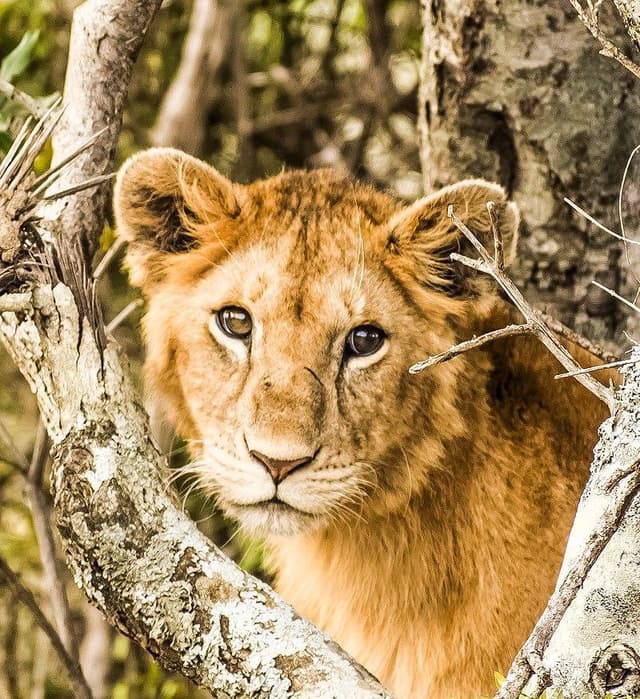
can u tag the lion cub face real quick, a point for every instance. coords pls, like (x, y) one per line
(283, 317)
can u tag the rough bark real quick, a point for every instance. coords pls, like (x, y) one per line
(130, 549)
(629, 10)
(596, 647)
(517, 92)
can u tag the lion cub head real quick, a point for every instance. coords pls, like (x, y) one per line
(282, 319)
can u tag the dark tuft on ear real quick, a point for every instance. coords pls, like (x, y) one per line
(425, 236)
(164, 203)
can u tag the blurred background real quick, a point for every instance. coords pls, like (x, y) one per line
(514, 92)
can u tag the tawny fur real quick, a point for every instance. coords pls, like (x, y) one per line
(426, 534)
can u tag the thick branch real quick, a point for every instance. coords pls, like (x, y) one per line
(587, 582)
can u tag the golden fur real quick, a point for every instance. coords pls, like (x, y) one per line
(426, 533)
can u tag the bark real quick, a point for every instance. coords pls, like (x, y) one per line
(629, 10)
(596, 648)
(587, 641)
(517, 92)
(132, 552)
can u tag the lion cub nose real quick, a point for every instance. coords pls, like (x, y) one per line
(277, 468)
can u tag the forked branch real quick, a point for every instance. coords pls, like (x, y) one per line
(535, 322)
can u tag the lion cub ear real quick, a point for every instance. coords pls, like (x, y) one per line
(424, 233)
(164, 200)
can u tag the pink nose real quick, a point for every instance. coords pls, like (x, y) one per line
(278, 469)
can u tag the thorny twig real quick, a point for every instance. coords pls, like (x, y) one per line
(535, 323)
(22, 594)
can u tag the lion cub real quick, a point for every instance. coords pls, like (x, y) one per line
(420, 520)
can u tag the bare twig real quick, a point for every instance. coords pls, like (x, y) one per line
(572, 336)
(617, 296)
(620, 216)
(597, 223)
(609, 49)
(124, 314)
(22, 594)
(22, 98)
(108, 258)
(591, 369)
(44, 534)
(498, 243)
(80, 187)
(467, 345)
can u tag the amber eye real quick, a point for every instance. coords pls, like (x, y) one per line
(364, 340)
(234, 322)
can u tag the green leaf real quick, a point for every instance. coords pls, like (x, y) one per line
(500, 679)
(15, 62)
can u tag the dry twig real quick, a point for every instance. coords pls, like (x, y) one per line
(22, 98)
(535, 323)
(124, 314)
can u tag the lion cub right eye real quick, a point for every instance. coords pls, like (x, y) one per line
(234, 322)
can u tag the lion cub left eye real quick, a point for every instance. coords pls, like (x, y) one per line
(235, 322)
(364, 340)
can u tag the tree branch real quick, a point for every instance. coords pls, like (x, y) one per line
(106, 36)
(608, 495)
(535, 323)
(133, 553)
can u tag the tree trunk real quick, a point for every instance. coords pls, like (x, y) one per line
(596, 647)
(517, 92)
